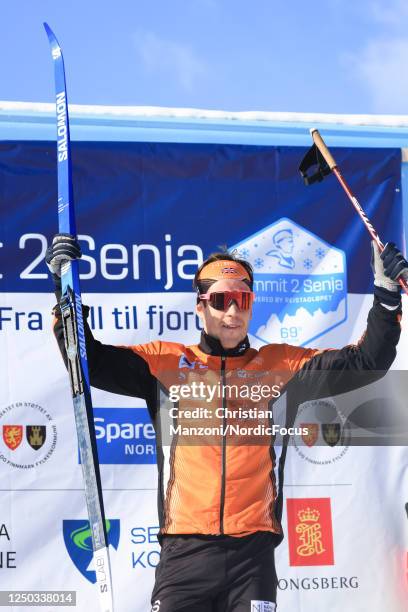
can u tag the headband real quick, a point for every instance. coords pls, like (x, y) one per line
(224, 269)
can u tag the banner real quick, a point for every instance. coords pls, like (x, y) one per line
(147, 216)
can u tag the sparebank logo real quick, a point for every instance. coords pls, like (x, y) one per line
(124, 435)
(300, 283)
(78, 542)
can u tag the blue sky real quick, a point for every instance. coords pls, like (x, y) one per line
(339, 56)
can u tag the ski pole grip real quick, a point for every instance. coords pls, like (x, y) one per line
(320, 144)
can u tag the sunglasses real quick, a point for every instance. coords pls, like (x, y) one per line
(222, 300)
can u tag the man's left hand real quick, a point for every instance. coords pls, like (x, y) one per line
(388, 266)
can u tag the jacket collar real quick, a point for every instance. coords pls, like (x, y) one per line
(212, 346)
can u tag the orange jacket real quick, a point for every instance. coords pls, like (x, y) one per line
(210, 483)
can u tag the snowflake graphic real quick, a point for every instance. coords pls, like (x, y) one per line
(308, 264)
(244, 253)
(259, 263)
(320, 253)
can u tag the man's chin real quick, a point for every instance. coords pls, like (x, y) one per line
(230, 340)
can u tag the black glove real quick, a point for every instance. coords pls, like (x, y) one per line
(395, 264)
(64, 248)
(388, 266)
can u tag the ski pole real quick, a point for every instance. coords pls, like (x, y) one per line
(319, 154)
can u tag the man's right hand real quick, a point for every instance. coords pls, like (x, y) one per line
(64, 247)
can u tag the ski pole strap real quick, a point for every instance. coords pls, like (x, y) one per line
(314, 159)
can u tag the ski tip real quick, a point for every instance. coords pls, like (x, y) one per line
(51, 36)
(312, 130)
(55, 47)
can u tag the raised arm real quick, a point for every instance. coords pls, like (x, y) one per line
(111, 368)
(334, 371)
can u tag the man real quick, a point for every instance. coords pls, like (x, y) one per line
(220, 497)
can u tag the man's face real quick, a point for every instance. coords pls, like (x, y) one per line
(229, 326)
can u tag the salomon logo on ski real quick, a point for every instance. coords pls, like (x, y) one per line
(62, 127)
(80, 324)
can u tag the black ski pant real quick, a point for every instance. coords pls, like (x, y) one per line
(216, 574)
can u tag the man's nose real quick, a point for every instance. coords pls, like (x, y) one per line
(232, 305)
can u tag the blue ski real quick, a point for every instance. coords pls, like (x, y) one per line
(71, 309)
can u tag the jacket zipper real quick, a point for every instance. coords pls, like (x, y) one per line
(224, 449)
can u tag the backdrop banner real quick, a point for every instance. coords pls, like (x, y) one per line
(148, 214)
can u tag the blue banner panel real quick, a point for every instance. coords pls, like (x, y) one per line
(149, 213)
(124, 435)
